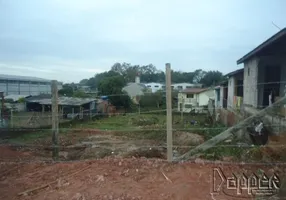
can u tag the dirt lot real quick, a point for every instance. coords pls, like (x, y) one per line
(115, 178)
(117, 166)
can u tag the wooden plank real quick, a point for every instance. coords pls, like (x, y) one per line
(232, 130)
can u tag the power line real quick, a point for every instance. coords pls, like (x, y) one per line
(276, 25)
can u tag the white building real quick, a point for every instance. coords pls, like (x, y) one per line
(183, 86)
(24, 85)
(230, 93)
(154, 87)
(194, 99)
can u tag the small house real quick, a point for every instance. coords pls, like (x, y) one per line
(134, 90)
(194, 99)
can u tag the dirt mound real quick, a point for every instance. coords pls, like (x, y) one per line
(7, 153)
(147, 153)
(186, 138)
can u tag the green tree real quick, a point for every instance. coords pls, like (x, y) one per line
(152, 100)
(67, 90)
(80, 94)
(83, 82)
(198, 75)
(212, 78)
(112, 87)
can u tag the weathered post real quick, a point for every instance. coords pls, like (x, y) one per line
(169, 113)
(55, 120)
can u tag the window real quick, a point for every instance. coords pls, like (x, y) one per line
(188, 105)
(163, 86)
(180, 87)
(188, 86)
(156, 86)
(172, 87)
(190, 96)
(148, 85)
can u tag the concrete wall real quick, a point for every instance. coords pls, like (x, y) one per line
(18, 107)
(203, 97)
(221, 95)
(250, 91)
(231, 88)
(218, 102)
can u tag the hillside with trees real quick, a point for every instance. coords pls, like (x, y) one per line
(110, 83)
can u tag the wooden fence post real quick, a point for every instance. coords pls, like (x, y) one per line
(55, 120)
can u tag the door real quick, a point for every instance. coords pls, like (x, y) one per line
(272, 79)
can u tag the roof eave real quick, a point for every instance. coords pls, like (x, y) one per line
(270, 40)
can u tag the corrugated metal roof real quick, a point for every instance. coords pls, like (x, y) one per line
(68, 101)
(39, 97)
(22, 78)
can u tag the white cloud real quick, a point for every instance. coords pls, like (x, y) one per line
(73, 39)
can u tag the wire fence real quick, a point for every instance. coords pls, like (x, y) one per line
(138, 128)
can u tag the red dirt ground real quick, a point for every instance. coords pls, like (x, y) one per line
(112, 178)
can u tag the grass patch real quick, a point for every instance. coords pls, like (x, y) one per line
(29, 137)
(218, 152)
(210, 132)
(121, 122)
(33, 136)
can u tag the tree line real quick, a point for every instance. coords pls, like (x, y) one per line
(149, 73)
(110, 83)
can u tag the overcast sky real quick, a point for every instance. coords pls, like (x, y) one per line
(69, 40)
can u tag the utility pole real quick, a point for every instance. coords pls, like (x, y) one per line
(169, 113)
(55, 120)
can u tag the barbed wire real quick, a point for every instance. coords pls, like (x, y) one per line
(138, 147)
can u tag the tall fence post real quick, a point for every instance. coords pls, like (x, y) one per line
(55, 120)
(2, 108)
(169, 113)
